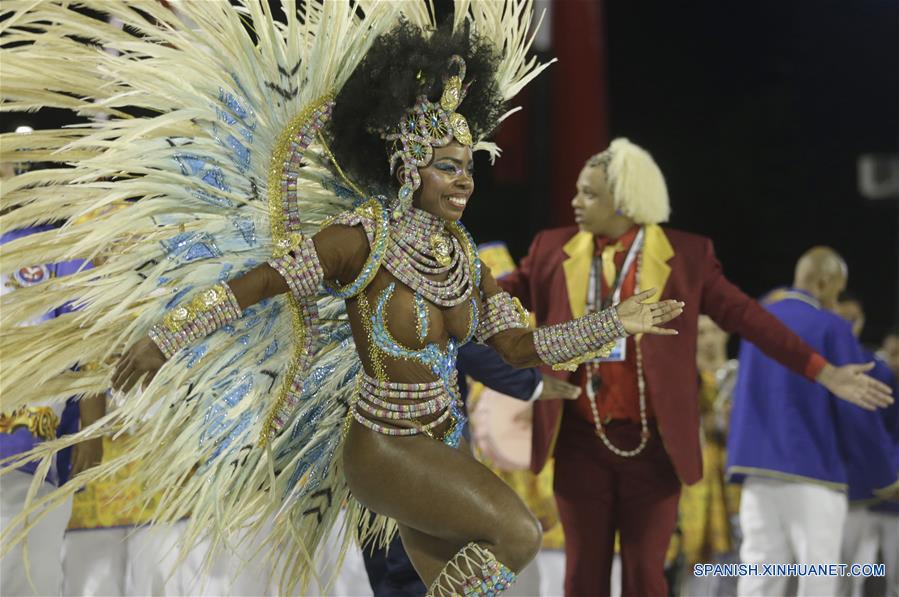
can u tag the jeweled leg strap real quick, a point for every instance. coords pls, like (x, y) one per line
(474, 570)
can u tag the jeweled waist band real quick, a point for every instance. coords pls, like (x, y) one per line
(404, 393)
(415, 399)
(376, 399)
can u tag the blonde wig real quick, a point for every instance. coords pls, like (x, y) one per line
(635, 180)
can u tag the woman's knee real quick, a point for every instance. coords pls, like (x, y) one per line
(520, 542)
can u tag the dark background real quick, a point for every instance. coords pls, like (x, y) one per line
(756, 112)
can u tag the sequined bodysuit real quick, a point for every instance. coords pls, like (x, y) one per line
(406, 342)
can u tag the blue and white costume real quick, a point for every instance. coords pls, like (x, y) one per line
(791, 443)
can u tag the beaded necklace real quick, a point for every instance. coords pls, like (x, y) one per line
(422, 246)
(592, 369)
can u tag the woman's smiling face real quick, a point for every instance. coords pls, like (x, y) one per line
(447, 182)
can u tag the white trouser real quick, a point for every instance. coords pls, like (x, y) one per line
(552, 572)
(864, 535)
(348, 579)
(153, 562)
(139, 561)
(96, 562)
(241, 569)
(44, 540)
(527, 582)
(787, 522)
(131, 561)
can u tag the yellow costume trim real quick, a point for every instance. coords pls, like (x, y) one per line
(40, 421)
(280, 236)
(888, 490)
(783, 294)
(763, 472)
(495, 255)
(577, 271)
(654, 271)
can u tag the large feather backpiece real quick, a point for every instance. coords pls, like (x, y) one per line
(199, 158)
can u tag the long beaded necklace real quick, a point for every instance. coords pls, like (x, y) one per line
(592, 370)
(421, 246)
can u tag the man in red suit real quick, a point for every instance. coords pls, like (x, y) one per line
(625, 446)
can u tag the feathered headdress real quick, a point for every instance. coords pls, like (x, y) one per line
(205, 136)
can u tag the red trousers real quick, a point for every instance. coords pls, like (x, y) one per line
(599, 492)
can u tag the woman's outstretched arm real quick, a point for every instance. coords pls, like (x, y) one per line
(503, 324)
(335, 253)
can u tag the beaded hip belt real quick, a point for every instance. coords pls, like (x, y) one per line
(394, 401)
(41, 421)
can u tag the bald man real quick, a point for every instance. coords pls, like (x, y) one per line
(791, 441)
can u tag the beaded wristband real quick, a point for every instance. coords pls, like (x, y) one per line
(501, 312)
(567, 345)
(300, 268)
(206, 312)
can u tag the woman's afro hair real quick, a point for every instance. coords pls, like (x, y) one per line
(386, 83)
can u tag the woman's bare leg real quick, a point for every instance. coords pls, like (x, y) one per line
(428, 554)
(442, 494)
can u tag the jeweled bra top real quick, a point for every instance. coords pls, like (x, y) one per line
(418, 247)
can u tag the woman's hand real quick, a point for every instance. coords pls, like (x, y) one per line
(557, 389)
(87, 454)
(638, 317)
(143, 359)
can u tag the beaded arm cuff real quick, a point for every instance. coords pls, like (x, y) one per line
(501, 312)
(300, 268)
(567, 345)
(373, 219)
(206, 312)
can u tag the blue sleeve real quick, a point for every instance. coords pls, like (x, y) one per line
(864, 441)
(890, 414)
(69, 422)
(68, 268)
(485, 365)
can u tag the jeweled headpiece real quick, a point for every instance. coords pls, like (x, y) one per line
(423, 127)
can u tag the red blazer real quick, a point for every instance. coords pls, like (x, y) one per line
(682, 266)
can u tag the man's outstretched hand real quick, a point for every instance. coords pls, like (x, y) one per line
(851, 383)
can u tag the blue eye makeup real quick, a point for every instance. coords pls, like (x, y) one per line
(449, 167)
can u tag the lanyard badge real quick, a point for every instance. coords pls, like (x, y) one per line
(595, 301)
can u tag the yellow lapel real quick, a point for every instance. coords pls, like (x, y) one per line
(580, 250)
(656, 252)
